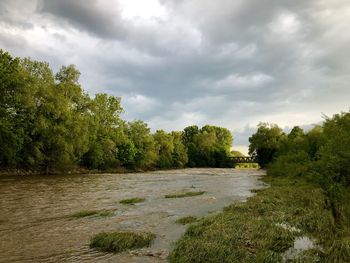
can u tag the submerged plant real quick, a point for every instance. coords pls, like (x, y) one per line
(186, 194)
(87, 213)
(131, 201)
(121, 241)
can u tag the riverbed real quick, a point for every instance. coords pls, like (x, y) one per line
(36, 223)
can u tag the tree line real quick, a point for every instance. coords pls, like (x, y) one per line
(49, 123)
(320, 155)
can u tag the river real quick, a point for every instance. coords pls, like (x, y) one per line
(36, 223)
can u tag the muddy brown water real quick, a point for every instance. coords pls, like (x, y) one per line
(35, 222)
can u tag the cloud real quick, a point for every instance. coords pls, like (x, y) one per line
(101, 18)
(177, 63)
(235, 81)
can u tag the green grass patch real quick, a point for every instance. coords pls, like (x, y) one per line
(186, 194)
(120, 241)
(131, 201)
(105, 213)
(247, 166)
(186, 220)
(252, 232)
(87, 213)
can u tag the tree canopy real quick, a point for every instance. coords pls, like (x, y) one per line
(49, 123)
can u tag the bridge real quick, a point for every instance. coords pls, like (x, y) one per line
(243, 159)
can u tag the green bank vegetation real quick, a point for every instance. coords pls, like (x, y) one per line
(120, 241)
(321, 156)
(131, 201)
(309, 177)
(185, 194)
(49, 124)
(186, 220)
(254, 232)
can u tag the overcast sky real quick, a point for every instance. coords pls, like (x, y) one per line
(175, 63)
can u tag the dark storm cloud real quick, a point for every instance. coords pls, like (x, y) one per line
(229, 63)
(86, 15)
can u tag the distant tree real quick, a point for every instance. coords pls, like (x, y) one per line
(106, 127)
(189, 133)
(140, 135)
(208, 146)
(188, 138)
(126, 152)
(179, 154)
(264, 143)
(315, 140)
(236, 153)
(164, 146)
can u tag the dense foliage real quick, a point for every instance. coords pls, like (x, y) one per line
(321, 155)
(49, 123)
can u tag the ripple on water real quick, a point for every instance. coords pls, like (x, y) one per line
(36, 227)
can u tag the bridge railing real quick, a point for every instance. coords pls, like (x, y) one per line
(243, 159)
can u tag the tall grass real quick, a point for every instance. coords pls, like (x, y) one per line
(253, 232)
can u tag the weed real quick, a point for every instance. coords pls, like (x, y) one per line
(131, 201)
(120, 241)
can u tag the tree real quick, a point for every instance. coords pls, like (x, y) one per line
(335, 153)
(237, 154)
(164, 147)
(49, 123)
(106, 127)
(208, 146)
(188, 136)
(75, 104)
(140, 135)
(11, 130)
(264, 143)
(179, 154)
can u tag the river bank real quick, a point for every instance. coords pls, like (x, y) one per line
(290, 221)
(78, 170)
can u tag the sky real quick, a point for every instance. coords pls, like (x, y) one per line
(177, 63)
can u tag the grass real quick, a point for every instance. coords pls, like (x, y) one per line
(131, 201)
(246, 165)
(186, 194)
(87, 213)
(252, 232)
(120, 241)
(186, 220)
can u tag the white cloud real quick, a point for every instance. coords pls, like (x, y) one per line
(285, 24)
(138, 104)
(235, 81)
